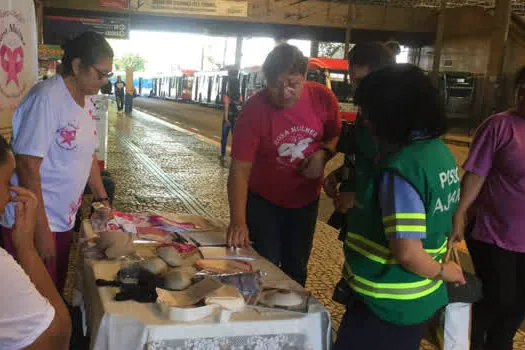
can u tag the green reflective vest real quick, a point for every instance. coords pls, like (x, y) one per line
(391, 292)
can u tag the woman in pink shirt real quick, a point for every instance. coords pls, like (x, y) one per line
(491, 215)
(284, 136)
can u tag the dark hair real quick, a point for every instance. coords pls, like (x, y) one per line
(372, 54)
(398, 100)
(520, 78)
(284, 58)
(4, 150)
(90, 47)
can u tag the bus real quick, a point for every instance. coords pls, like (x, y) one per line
(251, 80)
(176, 86)
(144, 84)
(334, 74)
(210, 87)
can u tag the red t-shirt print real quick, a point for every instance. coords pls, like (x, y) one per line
(276, 141)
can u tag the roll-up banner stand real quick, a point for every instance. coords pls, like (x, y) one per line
(18, 56)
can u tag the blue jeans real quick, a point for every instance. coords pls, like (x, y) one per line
(226, 128)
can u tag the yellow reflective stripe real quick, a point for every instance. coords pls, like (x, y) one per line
(394, 285)
(370, 255)
(420, 216)
(379, 253)
(370, 243)
(393, 293)
(439, 250)
(406, 228)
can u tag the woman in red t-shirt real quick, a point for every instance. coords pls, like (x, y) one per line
(284, 136)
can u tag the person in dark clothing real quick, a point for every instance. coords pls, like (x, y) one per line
(340, 184)
(359, 148)
(232, 106)
(119, 93)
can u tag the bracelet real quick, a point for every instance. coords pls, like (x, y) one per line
(100, 200)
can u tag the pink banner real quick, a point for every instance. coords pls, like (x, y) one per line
(116, 4)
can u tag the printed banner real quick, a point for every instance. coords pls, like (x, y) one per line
(224, 8)
(116, 4)
(58, 29)
(18, 56)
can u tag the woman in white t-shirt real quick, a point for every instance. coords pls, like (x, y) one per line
(54, 143)
(32, 313)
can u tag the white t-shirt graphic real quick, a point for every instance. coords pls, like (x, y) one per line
(49, 124)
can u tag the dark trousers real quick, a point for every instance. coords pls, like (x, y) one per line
(361, 329)
(120, 101)
(282, 235)
(497, 317)
(226, 127)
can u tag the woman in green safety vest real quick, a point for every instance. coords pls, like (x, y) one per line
(397, 235)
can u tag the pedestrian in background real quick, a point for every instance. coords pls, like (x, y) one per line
(54, 142)
(232, 103)
(491, 217)
(394, 248)
(120, 93)
(284, 136)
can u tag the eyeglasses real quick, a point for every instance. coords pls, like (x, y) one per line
(102, 75)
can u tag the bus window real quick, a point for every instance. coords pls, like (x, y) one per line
(341, 86)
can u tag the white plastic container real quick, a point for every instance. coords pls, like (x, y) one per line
(189, 314)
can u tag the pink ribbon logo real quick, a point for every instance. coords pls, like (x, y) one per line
(68, 136)
(12, 62)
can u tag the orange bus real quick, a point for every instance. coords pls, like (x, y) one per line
(334, 73)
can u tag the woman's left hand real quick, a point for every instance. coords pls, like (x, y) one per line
(313, 166)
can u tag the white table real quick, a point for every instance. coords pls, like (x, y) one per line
(131, 325)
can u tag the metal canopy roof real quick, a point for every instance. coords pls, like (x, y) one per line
(518, 6)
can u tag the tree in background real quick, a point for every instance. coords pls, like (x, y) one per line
(332, 50)
(130, 60)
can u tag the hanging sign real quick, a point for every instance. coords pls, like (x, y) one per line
(18, 56)
(116, 4)
(223, 8)
(58, 29)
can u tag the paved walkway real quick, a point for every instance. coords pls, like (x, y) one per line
(158, 166)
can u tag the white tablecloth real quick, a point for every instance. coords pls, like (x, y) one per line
(130, 325)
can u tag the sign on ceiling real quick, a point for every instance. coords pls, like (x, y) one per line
(223, 8)
(58, 29)
(116, 4)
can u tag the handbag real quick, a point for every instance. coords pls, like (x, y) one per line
(471, 291)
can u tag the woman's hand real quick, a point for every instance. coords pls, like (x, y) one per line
(330, 185)
(25, 218)
(313, 166)
(452, 273)
(344, 201)
(238, 235)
